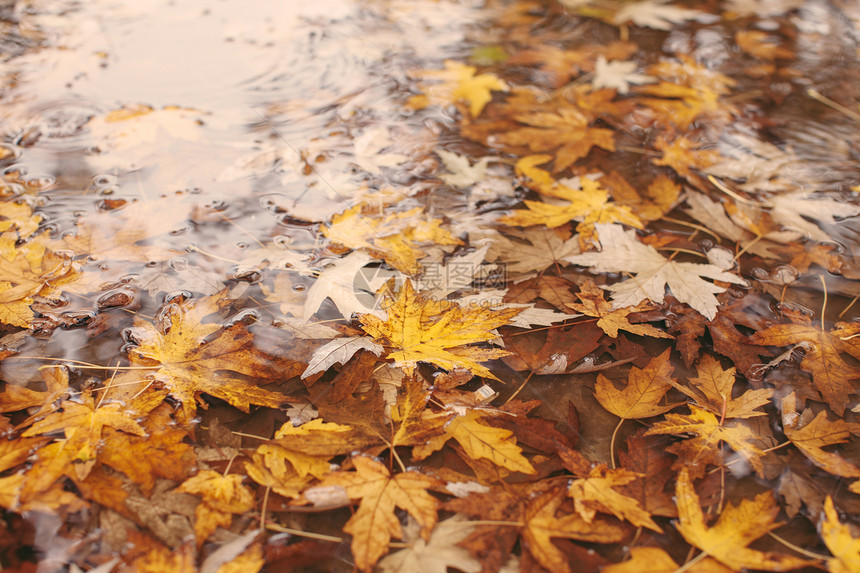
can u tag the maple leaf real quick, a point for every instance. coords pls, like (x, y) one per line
(421, 330)
(596, 493)
(188, 360)
(562, 65)
(116, 234)
(622, 252)
(416, 425)
(680, 155)
(339, 351)
(712, 389)
(791, 209)
(611, 321)
(161, 453)
(436, 554)
(374, 523)
(480, 441)
(831, 374)
(16, 398)
(29, 270)
(645, 389)
(727, 540)
(655, 560)
(461, 173)
(617, 75)
(837, 536)
(221, 497)
(83, 423)
(535, 249)
(815, 434)
(644, 456)
(394, 237)
(535, 509)
(655, 14)
(703, 449)
(590, 204)
(368, 150)
(565, 131)
(761, 45)
(459, 82)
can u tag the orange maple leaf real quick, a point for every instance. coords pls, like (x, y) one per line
(459, 83)
(596, 493)
(221, 497)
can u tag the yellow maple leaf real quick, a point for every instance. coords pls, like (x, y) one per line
(589, 205)
(422, 330)
(459, 83)
(837, 536)
(727, 540)
(811, 436)
(680, 155)
(480, 441)
(712, 390)
(28, 270)
(221, 497)
(374, 523)
(644, 391)
(188, 360)
(595, 493)
(395, 237)
(83, 424)
(697, 452)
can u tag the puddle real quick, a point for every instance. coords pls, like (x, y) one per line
(267, 171)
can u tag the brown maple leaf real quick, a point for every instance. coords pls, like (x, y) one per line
(535, 508)
(831, 374)
(593, 303)
(374, 523)
(190, 357)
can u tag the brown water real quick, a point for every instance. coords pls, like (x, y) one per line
(177, 139)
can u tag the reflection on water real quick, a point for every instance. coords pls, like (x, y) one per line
(162, 151)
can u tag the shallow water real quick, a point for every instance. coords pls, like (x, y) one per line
(174, 149)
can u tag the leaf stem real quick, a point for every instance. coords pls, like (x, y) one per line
(819, 97)
(691, 562)
(800, 550)
(612, 443)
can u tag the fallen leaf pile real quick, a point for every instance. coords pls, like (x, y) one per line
(581, 306)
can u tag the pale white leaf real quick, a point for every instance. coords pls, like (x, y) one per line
(435, 555)
(655, 14)
(539, 249)
(368, 150)
(461, 173)
(790, 209)
(339, 351)
(622, 252)
(337, 282)
(618, 75)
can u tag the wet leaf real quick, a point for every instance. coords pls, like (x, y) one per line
(374, 522)
(738, 526)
